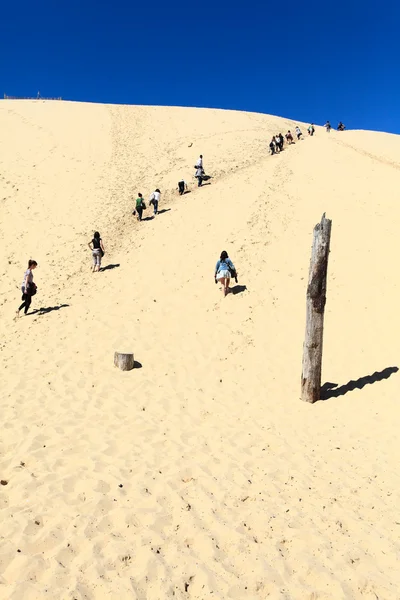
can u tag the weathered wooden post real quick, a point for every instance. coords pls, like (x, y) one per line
(316, 298)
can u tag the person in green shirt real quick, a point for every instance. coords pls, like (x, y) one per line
(140, 206)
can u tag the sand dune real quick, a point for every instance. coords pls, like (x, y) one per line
(200, 474)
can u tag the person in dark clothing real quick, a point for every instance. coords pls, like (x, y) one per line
(199, 175)
(28, 288)
(182, 186)
(98, 250)
(280, 141)
(272, 146)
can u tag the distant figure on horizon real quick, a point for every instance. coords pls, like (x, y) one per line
(28, 288)
(328, 127)
(140, 207)
(154, 200)
(289, 137)
(199, 175)
(182, 186)
(298, 132)
(341, 127)
(224, 270)
(199, 162)
(98, 250)
(311, 129)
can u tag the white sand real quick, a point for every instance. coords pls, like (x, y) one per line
(232, 487)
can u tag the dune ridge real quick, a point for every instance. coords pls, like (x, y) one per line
(200, 474)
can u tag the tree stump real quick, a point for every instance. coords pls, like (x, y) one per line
(316, 299)
(125, 362)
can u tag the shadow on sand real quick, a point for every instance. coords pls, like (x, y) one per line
(238, 289)
(160, 212)
(108, 267)
(49, 309)
(331, 390)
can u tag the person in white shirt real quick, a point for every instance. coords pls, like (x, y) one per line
(155, 199)
(298, 132)
(199, 163)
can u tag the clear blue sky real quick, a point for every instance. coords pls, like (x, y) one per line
(310, 61)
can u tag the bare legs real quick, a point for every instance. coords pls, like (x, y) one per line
(225, 281)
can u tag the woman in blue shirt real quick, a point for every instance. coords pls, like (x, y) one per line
(224, 270)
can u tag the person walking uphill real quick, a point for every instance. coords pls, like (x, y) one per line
(199, 175)
(182, 187)
(98, 250)
(224, 270)
(140, 207)
(28, 288)
(155, 199)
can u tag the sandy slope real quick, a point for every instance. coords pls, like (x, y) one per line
(231, 487)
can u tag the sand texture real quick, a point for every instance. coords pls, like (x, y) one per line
(199, 474)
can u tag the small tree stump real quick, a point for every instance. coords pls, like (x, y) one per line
(125, 362)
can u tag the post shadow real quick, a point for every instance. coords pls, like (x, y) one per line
(330, 390)
(108, 267)
(137, 364)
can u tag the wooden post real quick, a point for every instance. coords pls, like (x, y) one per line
(316, 298)
(124, 362)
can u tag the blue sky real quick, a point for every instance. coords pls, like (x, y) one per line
(310, 61)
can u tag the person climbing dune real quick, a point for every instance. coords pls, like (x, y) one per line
(224, 270)
(28, 288)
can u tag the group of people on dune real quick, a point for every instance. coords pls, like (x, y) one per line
(155, 196)
(340, 126)
(277, 141)
(141, 206)
(224, 269)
